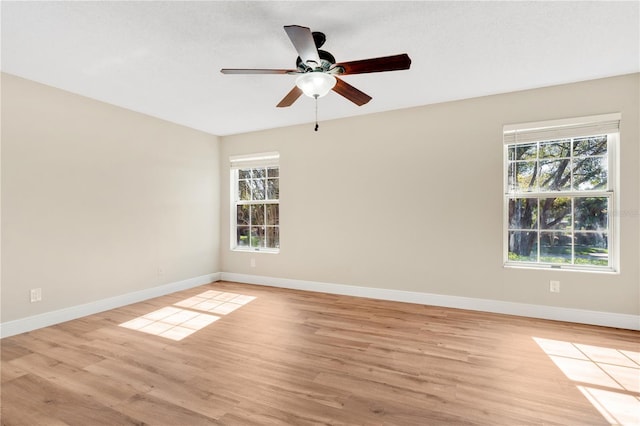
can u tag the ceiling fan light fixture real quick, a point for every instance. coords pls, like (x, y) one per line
(316, 84)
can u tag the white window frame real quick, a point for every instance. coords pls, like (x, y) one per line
(526, 133)
(241, 162)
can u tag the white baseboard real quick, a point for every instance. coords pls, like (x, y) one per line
(11, 328)
(607, 319)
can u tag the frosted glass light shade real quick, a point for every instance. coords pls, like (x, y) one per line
(315, 83)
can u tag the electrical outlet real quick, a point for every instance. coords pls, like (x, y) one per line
(35, 294)
(253, 262)
(554, 286)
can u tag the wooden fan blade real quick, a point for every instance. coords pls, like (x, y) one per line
(255, 71)
(291, 97)
(348, 91)
(302, 40)
(386, 63)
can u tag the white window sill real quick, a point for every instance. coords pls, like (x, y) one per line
(255, 250)
(563, 268)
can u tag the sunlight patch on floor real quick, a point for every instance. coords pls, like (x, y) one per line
(609, 378)
(188, 316)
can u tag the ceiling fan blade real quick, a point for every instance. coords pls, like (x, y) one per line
(255, 71)
(302, 40)
(386, 63)
(291, 97)
(348, 91)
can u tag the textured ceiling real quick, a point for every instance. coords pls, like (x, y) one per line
(163, 58)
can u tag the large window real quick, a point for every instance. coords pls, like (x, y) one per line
(255, 202)
(560, 194)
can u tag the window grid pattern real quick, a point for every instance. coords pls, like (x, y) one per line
(257, 199)
(558, 197)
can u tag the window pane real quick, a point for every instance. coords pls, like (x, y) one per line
(258, 189)
(244, 190)
(259, 173)
(555, 213)
(511, 152)
(594, 145)
(257, 236)
(523, 246)
(592, 248)
(242, 215)
(273, 189)
(554, 175)
(257, 214)
(511, 177)
(591, 213)
(273, 237)
(555, 149)
(272, 214)
(525, 176)
(242, 236)
(523, 213)
(273, 172)
(555, 247)
(526, 151)
(590, 173)
(244, 174)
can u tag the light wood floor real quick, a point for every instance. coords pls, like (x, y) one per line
(298, 358)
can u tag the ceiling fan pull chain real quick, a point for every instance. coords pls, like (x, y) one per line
(316, 97)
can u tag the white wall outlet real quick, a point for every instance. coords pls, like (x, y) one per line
(253, 262)
(554, 286)
(35, 294)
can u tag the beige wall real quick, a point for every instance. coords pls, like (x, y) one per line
(99, 201)
(412, 199)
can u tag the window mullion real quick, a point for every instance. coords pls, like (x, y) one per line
(573, 231)
(539, 231)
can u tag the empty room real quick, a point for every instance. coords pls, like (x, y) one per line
(305, 212)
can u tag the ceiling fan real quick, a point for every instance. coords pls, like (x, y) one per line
(317, 70)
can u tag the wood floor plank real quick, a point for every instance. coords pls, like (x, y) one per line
(12, 350)
(287, 357)
(9, 371)
(32, 400)
(149, 410)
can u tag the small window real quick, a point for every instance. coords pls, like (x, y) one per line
(255, 202)
(560, 194)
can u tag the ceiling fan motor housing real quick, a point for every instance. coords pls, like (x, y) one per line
(318, 38)
(326, 62)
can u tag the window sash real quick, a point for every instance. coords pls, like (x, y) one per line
(511, 166)
(570, 231)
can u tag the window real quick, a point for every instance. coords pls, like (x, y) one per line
(255, 202)
(560, 194)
